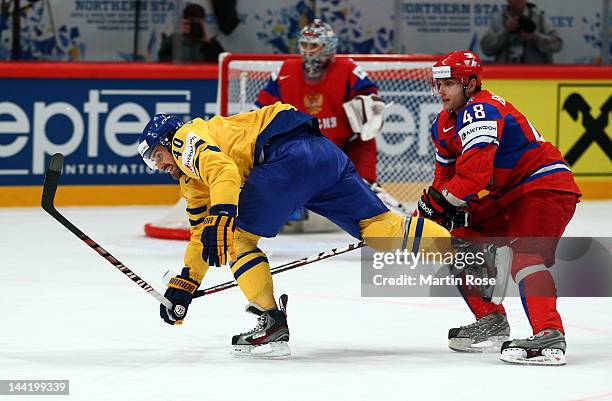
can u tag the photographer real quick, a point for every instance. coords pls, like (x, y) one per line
(194, 42)
(522, 34)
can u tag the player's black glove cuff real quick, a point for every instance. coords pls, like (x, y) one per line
(180, 292)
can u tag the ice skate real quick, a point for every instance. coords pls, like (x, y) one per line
(487, 334)
(546, 348)
(269, 338)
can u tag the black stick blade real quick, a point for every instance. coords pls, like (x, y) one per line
(51, 182)
(56, 163)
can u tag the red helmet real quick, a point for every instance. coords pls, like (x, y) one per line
(462, 64)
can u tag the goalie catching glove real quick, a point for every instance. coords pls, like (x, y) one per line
(364, 113)
(218, 235)
(434, 206)
(180, 292)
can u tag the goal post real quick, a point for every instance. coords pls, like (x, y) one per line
(405, 154)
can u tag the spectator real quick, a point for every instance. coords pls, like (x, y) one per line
(521, 34)
(194, 42)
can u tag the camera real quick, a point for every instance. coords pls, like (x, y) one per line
(525, 24)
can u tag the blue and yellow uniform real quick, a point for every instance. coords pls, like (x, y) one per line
(282, 162)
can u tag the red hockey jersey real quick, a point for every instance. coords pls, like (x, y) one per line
(490, 145)
(343, 81)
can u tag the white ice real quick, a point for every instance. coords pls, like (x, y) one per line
(68, 314)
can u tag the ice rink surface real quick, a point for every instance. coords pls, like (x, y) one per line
(69, 314)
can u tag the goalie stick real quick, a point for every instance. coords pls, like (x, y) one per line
(278, 269)
(52, 174)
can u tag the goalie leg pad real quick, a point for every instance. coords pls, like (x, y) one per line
(389, 200)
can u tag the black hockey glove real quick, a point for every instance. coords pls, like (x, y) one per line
(434, 206)
(180, 293)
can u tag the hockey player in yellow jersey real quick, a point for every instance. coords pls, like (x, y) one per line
(242, 177)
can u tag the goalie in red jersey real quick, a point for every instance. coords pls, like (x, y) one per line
(482, 142)
(339, 93)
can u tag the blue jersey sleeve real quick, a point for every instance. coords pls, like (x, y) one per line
(359, 83)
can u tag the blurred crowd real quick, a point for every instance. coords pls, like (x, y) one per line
(510, 32)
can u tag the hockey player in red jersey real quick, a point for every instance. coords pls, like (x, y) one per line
(482, 142)
(337, 92)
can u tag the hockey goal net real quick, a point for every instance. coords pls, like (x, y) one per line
(405, 155)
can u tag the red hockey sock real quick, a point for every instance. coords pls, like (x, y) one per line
(480, 308)
(539, 297)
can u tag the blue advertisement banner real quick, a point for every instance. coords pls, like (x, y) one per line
(95, 123)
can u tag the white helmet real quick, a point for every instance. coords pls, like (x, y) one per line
(317, 43)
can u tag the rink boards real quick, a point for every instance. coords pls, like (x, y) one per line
(93, 113)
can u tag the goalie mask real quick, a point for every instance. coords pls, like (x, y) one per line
(159, 131)
(462, 65)
(317, 43)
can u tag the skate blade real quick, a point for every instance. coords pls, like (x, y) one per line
(492, 345)
(553, 359)
(503, 263)
(276, 350)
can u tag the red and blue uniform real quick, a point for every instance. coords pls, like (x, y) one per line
(343, 80)
(490, 145)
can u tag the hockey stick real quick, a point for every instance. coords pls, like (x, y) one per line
(54, 170)
(287, 266)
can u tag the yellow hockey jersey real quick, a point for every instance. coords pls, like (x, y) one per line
(217, 156)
